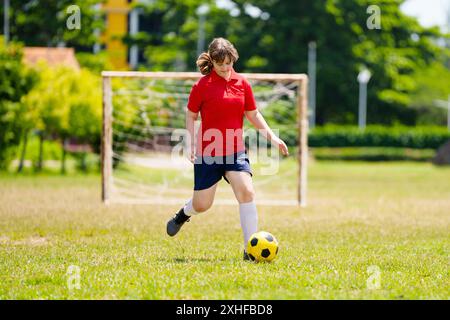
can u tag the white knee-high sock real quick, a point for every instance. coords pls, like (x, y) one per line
(249, 220)
(189, 209)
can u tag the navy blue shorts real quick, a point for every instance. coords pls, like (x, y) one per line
(210, 170)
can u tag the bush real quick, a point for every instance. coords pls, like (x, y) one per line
(96, 63)
(372, 154)
(15, 82)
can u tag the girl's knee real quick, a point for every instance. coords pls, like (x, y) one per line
(246, 195)
(201, 207)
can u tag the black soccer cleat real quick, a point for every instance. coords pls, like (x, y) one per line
(174, 225)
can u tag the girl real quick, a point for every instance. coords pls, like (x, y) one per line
(222, 97)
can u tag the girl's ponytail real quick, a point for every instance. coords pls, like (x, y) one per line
(204, 63)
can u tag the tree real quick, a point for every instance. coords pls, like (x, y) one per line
(15, 82)
(44, 23)
(345, 44)
(171, 30)
(432, 84)
(273, 36)
(68, 103)
(85, 112)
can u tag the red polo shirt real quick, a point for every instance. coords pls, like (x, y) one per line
(221, 104)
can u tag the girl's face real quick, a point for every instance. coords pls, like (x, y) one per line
(223, 68)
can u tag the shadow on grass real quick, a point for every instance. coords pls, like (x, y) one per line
(184, 260)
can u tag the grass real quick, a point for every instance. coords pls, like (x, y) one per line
(389, 217)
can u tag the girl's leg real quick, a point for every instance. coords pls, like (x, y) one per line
(201, 201)
(242, 185)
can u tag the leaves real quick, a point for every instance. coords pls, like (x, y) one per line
(15, 82)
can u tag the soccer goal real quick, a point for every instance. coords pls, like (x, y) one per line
(144, 138)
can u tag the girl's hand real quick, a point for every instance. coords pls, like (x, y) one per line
(282, 146)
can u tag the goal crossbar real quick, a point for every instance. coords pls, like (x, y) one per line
(196, 75)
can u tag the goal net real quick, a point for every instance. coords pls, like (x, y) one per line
(144, 154)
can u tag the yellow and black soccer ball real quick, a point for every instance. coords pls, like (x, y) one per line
(262, 246)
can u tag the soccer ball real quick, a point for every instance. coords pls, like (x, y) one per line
(262, 246)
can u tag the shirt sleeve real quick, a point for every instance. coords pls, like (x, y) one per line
(195, 99)
(250, 102)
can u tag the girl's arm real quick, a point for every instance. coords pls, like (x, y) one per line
(190, 121)
(258, 121)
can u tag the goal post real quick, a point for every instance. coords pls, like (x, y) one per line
(299, 81)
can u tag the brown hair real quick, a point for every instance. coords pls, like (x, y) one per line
(218, 50)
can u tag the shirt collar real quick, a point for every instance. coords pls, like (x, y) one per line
(216, 77)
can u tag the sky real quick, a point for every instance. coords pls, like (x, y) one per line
(429, 12)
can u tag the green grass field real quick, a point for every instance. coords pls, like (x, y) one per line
(370, 231)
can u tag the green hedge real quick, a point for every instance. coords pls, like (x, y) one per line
(372, 154)
(378, 136)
